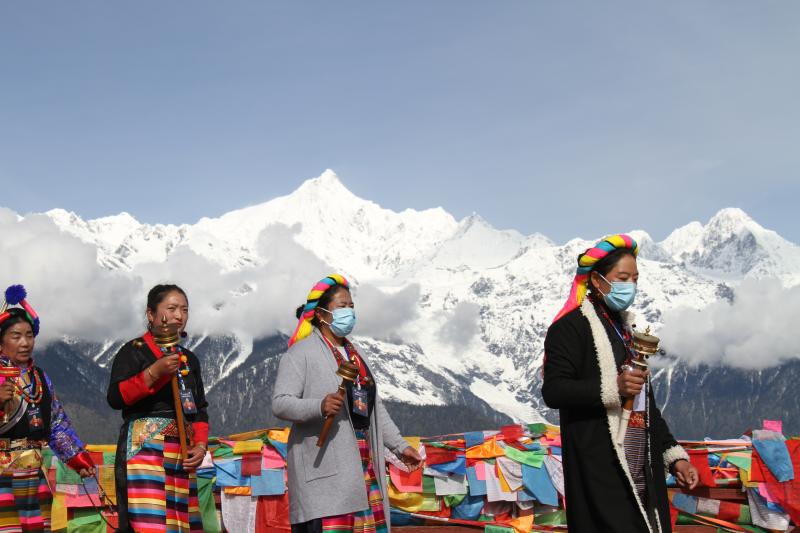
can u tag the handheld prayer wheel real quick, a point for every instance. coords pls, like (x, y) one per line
(644, 345)
(348, 372)
(168, 336)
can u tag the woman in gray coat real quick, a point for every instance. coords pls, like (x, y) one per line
(340, 486)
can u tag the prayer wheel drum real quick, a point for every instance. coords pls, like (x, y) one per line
(645, 345)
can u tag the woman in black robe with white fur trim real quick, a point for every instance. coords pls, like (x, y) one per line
(610, 488)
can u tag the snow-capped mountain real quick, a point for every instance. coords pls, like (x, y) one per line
(453, 311)
(733, 244)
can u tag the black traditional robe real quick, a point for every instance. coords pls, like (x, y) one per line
(583, 356)
(132, 359)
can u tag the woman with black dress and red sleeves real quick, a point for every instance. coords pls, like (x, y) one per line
(155, 486)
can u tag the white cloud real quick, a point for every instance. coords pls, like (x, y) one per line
(462, 324)
(757, 330)
(72, 294)
(383, 316)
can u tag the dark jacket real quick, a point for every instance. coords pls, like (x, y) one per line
(583, 356)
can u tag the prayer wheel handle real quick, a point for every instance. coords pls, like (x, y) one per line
(348, 372)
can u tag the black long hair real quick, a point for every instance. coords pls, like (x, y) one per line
(159, 292)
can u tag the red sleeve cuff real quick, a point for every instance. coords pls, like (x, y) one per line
(80, 461)
(200, 432)
(135, 388)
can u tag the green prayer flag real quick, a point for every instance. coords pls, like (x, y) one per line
(222, 451)
(86, 522)
(65, 475)
(741, 462)
(208, 511)
(47, 457)
(109, 458)
(532, 458)
(537, 430)
(555, 518)
(489, 528)
(744, 515)
(428, 485)
(454, 499)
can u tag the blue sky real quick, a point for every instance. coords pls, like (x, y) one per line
(566, 118)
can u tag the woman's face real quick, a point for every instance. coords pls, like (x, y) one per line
(342, 298)
(174, 307)
(17, 343)
(624, 270)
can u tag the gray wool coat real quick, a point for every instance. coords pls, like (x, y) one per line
(326, 481)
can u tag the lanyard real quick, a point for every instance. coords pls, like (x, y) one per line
(625, 338)
(354, 358)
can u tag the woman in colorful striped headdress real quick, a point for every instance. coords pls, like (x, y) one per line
(340, 485)
(31, 416)
(610, 487)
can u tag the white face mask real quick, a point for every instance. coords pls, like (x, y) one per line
(344, 320)
(621, 295)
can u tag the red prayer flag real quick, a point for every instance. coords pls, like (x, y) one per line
(251, 464)
(511, 432)
(791, 501)
(729, 511)
(757, 468)
(438, 456)
(272, 514)
(97, 458)
(673, 515)
(699, 459)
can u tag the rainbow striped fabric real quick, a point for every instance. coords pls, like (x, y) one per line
(24, 501)
(372, 519)
(586, 263)
(304, 328)
(162, 497)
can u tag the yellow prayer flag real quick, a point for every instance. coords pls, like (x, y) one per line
(279, 435)
(413, 442)
(105, 477)
(247, 446)
(58, 512)
(406, 501)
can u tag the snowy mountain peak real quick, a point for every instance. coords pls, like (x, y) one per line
(732, 243)
(732, 221)
(326, 185)
(684, 239)
(648, 248)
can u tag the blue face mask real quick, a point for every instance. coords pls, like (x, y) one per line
(344, 320)
(621, 295)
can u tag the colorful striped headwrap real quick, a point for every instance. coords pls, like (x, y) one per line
(304, 328)
(586, 263)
